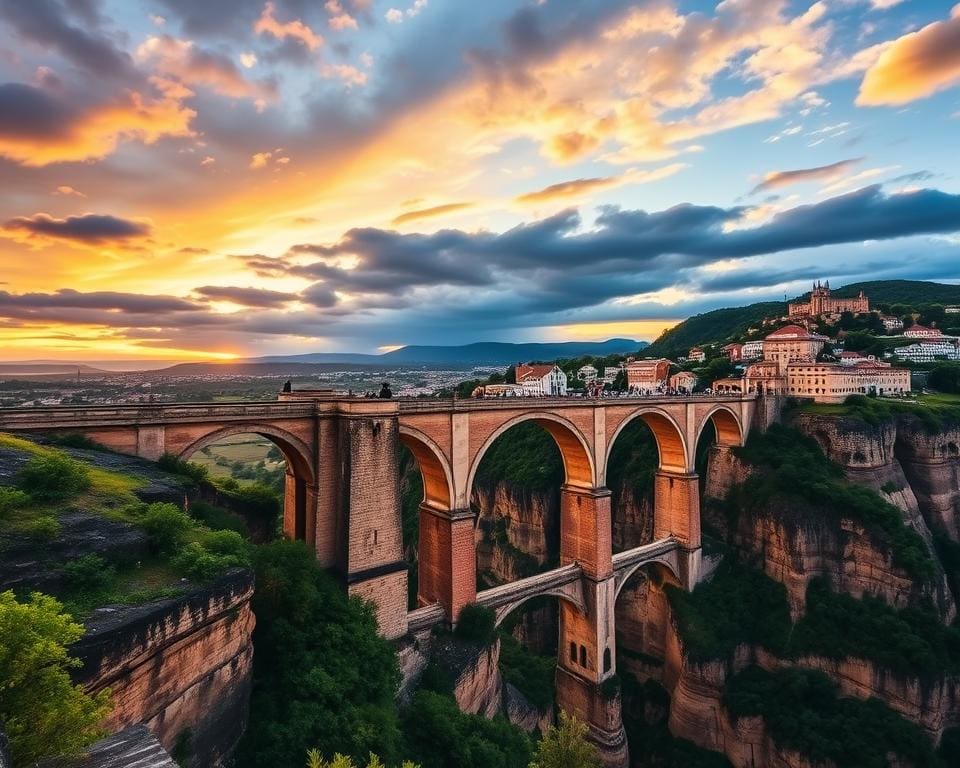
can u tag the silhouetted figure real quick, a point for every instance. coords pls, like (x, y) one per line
(385, 393)
(288, 386)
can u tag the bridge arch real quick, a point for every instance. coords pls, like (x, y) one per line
(571, 594)
(299, 496)
(578, 463)
(730, 432)
(663, 565)
(671, 445)
(434, 467)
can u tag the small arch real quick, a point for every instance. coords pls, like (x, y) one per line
(434, 467)
(299, 514)
(294, 450)
(661, 565)
(607, 663)
(670, 442)
(577, 457)
(727, 425)
(505, 610)
(583, 656)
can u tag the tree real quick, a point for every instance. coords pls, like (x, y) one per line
(566, 746)
(945, 377)
(42, 711)
(315, 760)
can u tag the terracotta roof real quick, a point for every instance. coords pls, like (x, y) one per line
(789, 331)
(533, 371)
(848, 355)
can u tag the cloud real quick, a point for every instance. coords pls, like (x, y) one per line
(89, 228)
(184, 60)
(268, 24)
(66, 191)
(776, 179)
(339, 18)
(247, 297)
(578, 188)
(350, 75)
(37, 128)
(396, 16)
(108, 301)
(915, 66)
(428, 213)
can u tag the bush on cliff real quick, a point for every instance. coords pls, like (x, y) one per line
(738, 605)
(322, 676)
(792, 467)
(910, 641)
(188, 469)
(439, 735)
(11, 500)
(476, 624)
(41, 710)
(53, 476)
(315, 760)
(565, 746)
(166, 526)
(802, 712)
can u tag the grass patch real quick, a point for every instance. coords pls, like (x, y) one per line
(130, 585)
(933, 410)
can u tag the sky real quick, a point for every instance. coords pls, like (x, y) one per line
(204, 180)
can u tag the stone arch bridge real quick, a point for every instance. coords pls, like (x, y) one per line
(342, 498)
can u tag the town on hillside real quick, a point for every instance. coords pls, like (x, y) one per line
(824, 349)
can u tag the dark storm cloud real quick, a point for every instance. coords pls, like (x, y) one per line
(248, 297)
(89, 228)
(45, 22)
(27, 304)
(553, 265)
(26, 111)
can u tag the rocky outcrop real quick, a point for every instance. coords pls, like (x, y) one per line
(632, 513)
(931, 464)
(519, 711)
(133, 747)
(180, 666)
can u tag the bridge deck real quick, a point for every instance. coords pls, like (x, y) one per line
(77, 416)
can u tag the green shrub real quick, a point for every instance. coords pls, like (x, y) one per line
(166, 525)
(565, 745)
(42, 711)
(11, 500)
(439, 735)
(45, 528)
(200, 564)
(53, 477)
(219, 519)
(476, 624)
(177, 466)
(738, 605)
(76, 440)
(88, 573)
(532, 674)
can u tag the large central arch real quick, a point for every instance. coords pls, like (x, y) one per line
(673, 448)
(578, 464)
(730, 432)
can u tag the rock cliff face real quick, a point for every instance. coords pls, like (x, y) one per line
(798, 542)
(632, 512)
(931, 464)
(180, 666)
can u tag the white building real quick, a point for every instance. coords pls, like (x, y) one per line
(752, 350)
(891, 323)
(541, 379)
(610, 374)
(922, 332)
(929, 351)
(587, 373)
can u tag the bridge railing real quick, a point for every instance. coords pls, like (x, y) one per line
(504, 594)
(645, 552)
(414, 405)
(83, 415)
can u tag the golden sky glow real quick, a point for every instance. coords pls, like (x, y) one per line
(356, 176)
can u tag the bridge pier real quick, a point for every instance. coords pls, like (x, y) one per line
(447, 559)
(676, 500)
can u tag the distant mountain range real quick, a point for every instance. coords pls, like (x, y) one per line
(728, 323)
(467, 355)
(479, 353)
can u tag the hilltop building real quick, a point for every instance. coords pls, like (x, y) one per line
(541, 379)
(891, 323)
(697, 355)
(790, 368)
(733, 352)
(930, 350)
(646, 376)
(822, 303)
(587, 373)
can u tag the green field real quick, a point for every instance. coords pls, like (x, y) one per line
(247, 449)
